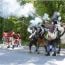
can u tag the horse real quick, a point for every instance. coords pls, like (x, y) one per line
(61, 31)
(55, 38)
(37, 39)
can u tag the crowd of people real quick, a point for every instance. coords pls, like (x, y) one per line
(11, 39)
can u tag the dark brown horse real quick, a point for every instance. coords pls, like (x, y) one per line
(38, 40)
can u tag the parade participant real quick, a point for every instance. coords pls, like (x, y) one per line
(17, 40)
(46, 18)
(56, 18)
(4, 37)
(10, 38)
(20, 39)
(51, 46)
(33, 39)
(33, 33)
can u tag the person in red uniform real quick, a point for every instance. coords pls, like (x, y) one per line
(17, 39)
(4, 37)
(10, 38)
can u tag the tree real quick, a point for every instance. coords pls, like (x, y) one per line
(49, 7)
(1, 27)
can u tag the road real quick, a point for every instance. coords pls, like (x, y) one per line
(21, 56)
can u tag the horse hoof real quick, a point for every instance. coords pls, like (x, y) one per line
(47, 54)
(8, 46)
(38, 52)
(58, 52)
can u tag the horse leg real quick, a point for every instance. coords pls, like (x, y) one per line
(48, 49)
(37, 47)
(59, 49)
(30, 45)
(45, 47)
(54, 54)
(54, 49)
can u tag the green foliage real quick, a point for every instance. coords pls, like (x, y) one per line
(40, 8)
(1, 28)
(7, 25)
(49, 7)
(24, 23)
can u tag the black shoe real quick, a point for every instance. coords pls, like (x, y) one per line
(13, 46)
(50, 50)
(58, 52)
(54, 54)
(38, 52)
(48, 54)
(8, 46)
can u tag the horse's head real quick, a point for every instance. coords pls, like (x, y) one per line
(60, 28)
